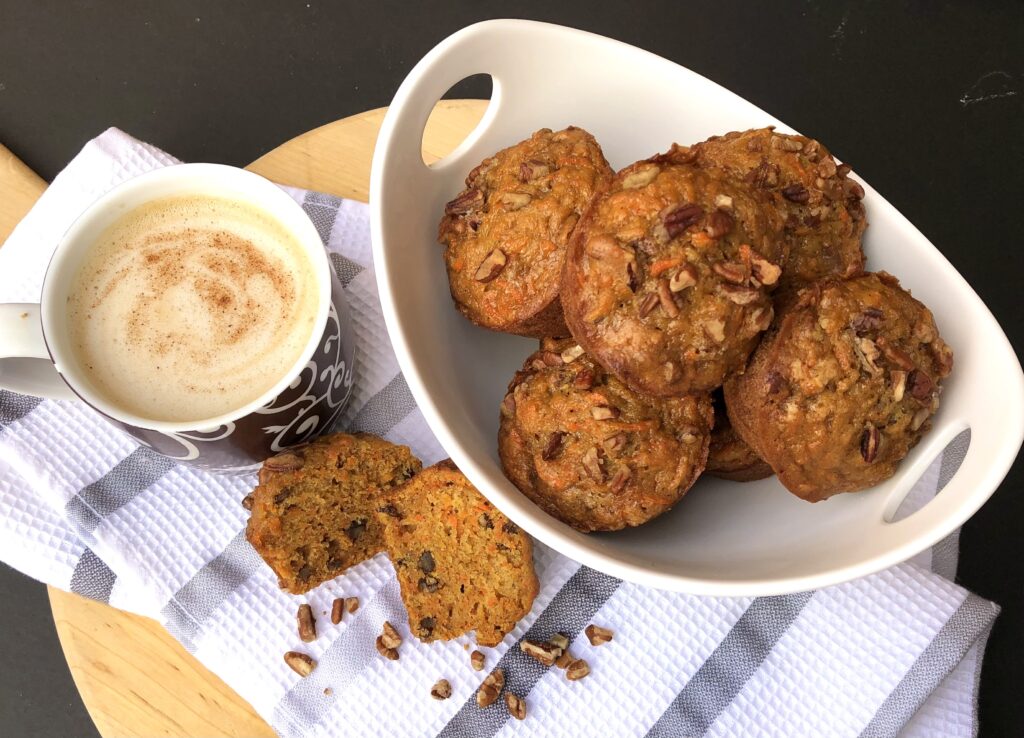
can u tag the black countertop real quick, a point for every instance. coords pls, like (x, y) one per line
(924, 98)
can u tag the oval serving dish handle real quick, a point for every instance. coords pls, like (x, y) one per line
(994, 413)
(462, 55)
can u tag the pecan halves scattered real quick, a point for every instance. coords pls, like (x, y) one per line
(648, 304)
(300, 663)
(491, 688)
(516, 706)
(441, 690)
(545, 653)
(389, 653)
(306, 623)
(598, 635)
(390, 637)
(476, 659)
(577, 670)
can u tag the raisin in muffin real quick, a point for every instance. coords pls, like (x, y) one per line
(313, 511)
(505, 234)
(667, 278)
(821, 204)
(462, 566)
(842, 387)
(592, 452)
(729, 456)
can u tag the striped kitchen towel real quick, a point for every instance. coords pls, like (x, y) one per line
(86, 509)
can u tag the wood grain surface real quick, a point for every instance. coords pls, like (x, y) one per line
(134, 678)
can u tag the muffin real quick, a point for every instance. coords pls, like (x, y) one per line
(667, 278)
(842, 387)
(462, 566)
(313, 513)
(505, 235)
(729, 456)
(592, 452)
(821, 204)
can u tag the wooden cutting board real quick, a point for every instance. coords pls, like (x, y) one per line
(134, 678)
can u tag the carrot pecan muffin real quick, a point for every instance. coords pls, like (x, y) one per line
(729, 456)
(842, 387)
(462, 566)
(592, 452)
(313, 511)
(505, 234)
(667, 278)
(821, 204)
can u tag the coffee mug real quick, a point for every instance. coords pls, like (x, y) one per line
(37, 358)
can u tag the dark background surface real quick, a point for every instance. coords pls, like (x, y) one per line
(924, 98)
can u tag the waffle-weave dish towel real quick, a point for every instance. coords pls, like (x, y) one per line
(86, 509)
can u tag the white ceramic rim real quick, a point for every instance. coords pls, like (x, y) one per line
(212, 179)
(927, 529)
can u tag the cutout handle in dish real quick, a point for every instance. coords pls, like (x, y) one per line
(982, 468)
(447, 141)
(461, 56)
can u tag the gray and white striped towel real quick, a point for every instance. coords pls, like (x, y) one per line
(86, 509)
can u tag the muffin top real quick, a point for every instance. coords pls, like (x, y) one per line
(591, 451)
(824, 216)
(668, 275)
(505, 234)
(843, 385)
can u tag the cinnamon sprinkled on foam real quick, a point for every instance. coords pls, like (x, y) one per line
(189, 307)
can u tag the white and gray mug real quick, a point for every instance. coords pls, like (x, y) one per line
(36, 357)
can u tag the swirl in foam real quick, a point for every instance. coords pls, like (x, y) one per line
(191, 307)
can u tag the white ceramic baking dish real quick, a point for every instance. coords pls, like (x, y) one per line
(723, 538)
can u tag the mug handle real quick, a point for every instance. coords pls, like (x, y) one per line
(25, 363)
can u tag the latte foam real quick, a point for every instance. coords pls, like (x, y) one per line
(190, 307)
